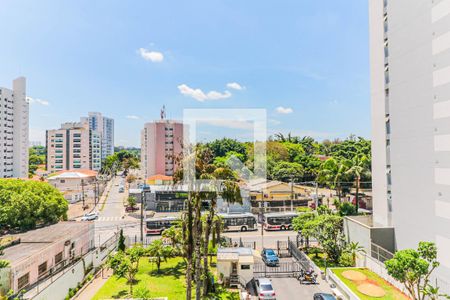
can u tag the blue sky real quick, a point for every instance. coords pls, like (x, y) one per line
(304, 61)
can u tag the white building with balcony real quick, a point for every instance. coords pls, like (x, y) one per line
(14, 110)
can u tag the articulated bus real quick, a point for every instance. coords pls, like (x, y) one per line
(279, 221)
(239, 222)
(158, 225)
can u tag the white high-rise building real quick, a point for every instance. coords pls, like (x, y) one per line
(105, 127)
(14, 131)
(410, 91)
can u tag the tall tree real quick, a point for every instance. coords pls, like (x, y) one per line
(26, 204)
(332, 172)
(357, 167)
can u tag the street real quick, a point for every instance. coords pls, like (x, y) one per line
(113, 217)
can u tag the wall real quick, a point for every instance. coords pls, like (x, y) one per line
(57, 287)
(355, 232)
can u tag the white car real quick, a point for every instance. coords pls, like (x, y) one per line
(265, 289)
(90, 216)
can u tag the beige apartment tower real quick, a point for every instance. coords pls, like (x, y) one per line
(73, 146)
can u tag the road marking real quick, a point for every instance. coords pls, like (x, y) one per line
(109, 219)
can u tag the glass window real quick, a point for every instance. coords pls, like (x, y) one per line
(245, 267)
(58, 257)
(23, 281)
(42, 269)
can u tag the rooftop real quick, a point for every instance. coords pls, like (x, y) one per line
(73, 174)
(34, 241)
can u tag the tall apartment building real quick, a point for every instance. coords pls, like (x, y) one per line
(14, 131)
(105, 127)
(161, 141)
(410, 91)
(73, 146)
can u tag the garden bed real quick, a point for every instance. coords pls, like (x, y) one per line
(363, 282)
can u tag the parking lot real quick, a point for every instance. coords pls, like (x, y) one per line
(286, 285)
(289, 288)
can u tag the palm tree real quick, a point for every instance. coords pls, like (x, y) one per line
(357, 167)
(332, 172)
(354, 249)
(159, 252)
(173, 234)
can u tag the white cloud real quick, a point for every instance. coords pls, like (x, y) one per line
(38, 101)
(284, 110)
(152, 56)
(132, 117)
(235, 86)
(201, 96)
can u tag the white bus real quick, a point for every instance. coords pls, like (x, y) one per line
(279, 221)
(239, 222)
(158, 225)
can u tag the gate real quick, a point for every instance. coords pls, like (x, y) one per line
(285, 268)
(299, 256)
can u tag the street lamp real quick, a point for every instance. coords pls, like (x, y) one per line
(145, 189)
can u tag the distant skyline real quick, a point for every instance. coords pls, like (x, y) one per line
(306, 62)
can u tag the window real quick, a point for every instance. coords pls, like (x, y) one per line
(245, 267)
(42, 269)
(23, 281)
(58, 258)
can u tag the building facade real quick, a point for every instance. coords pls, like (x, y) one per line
(410, 91)
(105, 128)
(73, 146)
(161, 142)
(14, 108)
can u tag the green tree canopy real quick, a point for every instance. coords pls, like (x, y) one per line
(25, 204)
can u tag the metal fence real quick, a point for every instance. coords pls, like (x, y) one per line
(379, 253)
(299, 255)
(284, 268)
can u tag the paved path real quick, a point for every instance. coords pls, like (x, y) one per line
(90, 290)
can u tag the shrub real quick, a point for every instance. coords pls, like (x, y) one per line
(346, 260)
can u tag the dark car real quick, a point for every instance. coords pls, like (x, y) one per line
(131, 208)
(323, 296)
(270, 257)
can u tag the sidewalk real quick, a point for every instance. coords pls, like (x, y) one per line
(94, 286)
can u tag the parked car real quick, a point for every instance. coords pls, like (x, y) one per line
(121, 189)
(265, 289)
(270, 258)
(131, 208)
(323, 296)
(90, 216)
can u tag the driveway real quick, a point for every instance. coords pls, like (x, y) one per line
(290, 288)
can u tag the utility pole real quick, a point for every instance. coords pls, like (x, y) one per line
(144, 190)
(317, 194)
(262, 218)
(95, 193)
(82, 192)
(292, 193)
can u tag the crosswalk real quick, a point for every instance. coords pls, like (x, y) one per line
(109, 219)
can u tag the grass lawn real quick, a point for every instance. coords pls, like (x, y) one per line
(392, 293)
(319, 261)
(169, 283)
